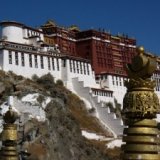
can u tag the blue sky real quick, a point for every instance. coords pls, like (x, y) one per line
(136, 18)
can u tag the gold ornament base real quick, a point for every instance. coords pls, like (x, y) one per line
(9, 153)
(142, 141)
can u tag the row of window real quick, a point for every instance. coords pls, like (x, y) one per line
(32, 33)
(18, 61)
(75, 66)
(156, 75)
(157, 80)
(104, 54)
(117, 83)
(79, 67)
(20, 47)
(108, 46)
(102, 93)
(104, 62)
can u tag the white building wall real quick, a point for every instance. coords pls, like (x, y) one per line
(18, 34)
(13, 34)
(27, 70)
(57, 69)
(65, 73)
(103, 98)
(73, 70)
(116, 84)
(108, 119)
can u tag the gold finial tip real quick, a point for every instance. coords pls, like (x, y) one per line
(140, 49)
(10, 116)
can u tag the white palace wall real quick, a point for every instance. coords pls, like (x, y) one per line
(41, 66)
(21, 34)
(72, 68)
(28, 64)
(13, 34)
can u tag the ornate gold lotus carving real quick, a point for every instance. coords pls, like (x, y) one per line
(140, 84)
(140, 104)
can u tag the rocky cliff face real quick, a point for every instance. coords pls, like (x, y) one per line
(59, 136)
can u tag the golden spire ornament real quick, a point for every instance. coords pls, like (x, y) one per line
(9, 136)
(140, 107)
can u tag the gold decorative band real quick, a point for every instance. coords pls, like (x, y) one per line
(146, 148)
(10, 158)
(141, 131)
(9, 135)
(9, 153)
(9, 148)
(141, 139)
(141, 156)
(142, 89)
(145, 123)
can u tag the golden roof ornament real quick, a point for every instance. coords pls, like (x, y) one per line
(141, 66)
(140, 106)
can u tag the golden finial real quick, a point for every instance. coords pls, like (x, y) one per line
(10, 116)
(140, 107)
(140, 50)
(142, 66)
(9, 136)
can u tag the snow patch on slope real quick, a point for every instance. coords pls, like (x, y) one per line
(28, 105)
(115, 143)
(95, 136)
(110, 142)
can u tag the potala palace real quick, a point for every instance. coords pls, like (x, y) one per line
(90, 63)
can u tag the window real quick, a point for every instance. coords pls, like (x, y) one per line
(57, 64)
(53, 67)
(81, 67)
(84, 67)
(22, 59)
(16, 58)
(49, 64)
(77, 66)
(88, 68)
(10, 57)
(42, 63)
(35, 61)
(64, 63)
(74, 69)
(30, 60)
(70, 63)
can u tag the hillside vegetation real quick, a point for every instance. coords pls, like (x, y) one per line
(59, 137)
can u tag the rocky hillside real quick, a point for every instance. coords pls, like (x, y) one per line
(59, 137)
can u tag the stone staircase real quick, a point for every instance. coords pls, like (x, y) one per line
(102, 113)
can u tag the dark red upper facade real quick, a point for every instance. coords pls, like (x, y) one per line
(107, 53)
